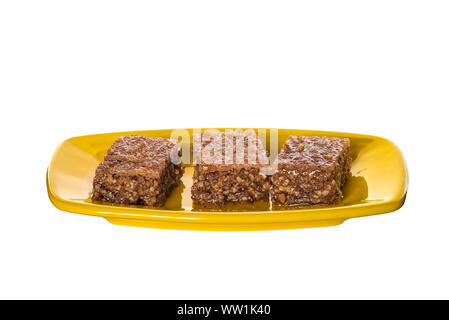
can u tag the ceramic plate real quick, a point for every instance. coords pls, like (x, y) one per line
(378, 184)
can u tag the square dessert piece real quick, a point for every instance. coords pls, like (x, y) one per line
(230, 168)
(311, 170)
(138, 170)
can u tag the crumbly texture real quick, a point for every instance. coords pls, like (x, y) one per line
(138, 170)
(310, 171)
(230, 168)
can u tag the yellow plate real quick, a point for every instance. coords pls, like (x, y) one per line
(378, 185)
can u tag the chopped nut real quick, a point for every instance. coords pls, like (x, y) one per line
(329, 156)
(282, 198)
(301, 147)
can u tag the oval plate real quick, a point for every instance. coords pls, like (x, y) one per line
(378, 184)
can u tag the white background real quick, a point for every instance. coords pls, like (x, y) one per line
(70, 68)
